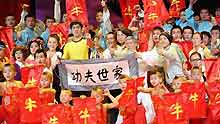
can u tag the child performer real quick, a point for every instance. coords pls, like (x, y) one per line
(102, 108)
(10, 88)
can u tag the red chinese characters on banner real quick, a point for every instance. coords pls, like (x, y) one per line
(212, 68)
(174, 108)
(77, 11)
(56, 114)
(175, 7)
(84, 111)
(196, 106)
(127, 10)
(29, 105)
(61, 30)
(155, 13)
(32, 75)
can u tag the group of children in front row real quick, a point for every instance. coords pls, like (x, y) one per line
(9, 111)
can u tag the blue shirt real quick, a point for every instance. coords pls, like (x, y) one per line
(45, 35)
(26, 35)
(199, 27)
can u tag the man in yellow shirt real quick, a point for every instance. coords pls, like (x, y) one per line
(77, 48)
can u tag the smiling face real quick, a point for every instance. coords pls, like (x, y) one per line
(164, 42)
(52, 43)
(9, 73)
(121, 37)
(19, 56)
(77, 30)
(10, 21)
(34, 47)
(65, 97)
(155, 79)
(197, 40)
(98, 95)
(176, 33)
(187, 34)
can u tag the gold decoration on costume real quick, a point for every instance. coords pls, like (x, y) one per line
(84, 114)
(53, 120)
(217, 98)
(129, 93)
(30, 104)
(175, 2)
(194, 97)
(76, 10)
(128, 11)
(31, 82)
(152, 16)
(176, 110)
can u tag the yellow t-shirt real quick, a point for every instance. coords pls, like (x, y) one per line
(76, 50)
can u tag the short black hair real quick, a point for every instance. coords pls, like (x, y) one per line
(176, 27)
(112, 34)
(216, 27)
(190, 28)
(40, 51)
(206, 33)
(158, 28)
(196, 53)
(99, 10)
(126, 31)
(76, 23)
(28, 15)
(168, 36)
(48, 17)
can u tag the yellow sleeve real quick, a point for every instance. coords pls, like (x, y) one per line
(65, 52)
(207, 53)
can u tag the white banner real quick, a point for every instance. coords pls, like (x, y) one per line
(84, 75)
(96, 74)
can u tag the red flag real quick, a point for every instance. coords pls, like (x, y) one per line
(155, 13)
(196, 106)
(159, 109)
(186, 47)
(9, 105)
(56, 114)
(32, 74)
(29, 105)
(175, 7)
(6, 35)
(47, 96)
(140, 117)
(212, 68)
(127, 10)
(142, 41)
(77, 11)
(84, 111)
(128, 103)
(214, 100)
(174, 108)
(61, 29)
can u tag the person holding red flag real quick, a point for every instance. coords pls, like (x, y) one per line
(101, 107)
(156, 88)
(10, 92)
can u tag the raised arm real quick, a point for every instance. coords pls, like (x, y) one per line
(113, 99)
(57, 11)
